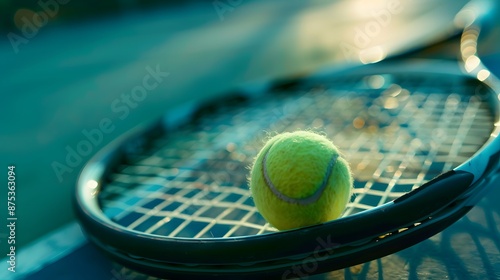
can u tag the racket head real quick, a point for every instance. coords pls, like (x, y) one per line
(146, 178)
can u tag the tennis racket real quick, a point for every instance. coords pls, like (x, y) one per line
(171, 199)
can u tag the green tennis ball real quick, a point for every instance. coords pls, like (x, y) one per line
(299, 179)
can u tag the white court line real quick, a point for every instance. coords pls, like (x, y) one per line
(43, 251)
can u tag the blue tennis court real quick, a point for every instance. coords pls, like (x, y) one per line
(72, 84)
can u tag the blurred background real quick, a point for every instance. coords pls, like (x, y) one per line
(13, 11)
(71, 70)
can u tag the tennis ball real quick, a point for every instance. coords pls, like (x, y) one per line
(299, 179)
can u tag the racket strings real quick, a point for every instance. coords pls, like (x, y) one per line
(443, 129)
(397, 135)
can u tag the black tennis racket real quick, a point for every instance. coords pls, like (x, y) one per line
(174, 200)
(171, 200)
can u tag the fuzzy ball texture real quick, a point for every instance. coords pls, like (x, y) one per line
(299, 179)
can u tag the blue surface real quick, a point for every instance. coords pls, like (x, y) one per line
(83, 263)
(64, 80)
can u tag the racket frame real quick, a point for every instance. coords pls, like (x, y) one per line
(353, 239)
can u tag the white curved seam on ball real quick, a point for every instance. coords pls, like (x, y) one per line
(302, 201)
